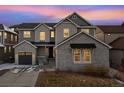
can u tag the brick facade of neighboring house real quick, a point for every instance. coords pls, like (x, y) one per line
(8, 38)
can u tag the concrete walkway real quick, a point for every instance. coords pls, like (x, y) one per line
(22, 79)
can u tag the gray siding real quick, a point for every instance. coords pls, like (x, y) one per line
(42, 51)
(21, 38)
(25, 47)
(64, 58)
(44, 29)
(59, 31)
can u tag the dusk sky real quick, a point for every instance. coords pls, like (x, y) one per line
(97, 15)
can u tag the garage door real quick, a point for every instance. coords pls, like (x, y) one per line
(25, 58)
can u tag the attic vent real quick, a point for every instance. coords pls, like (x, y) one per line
(74, 17)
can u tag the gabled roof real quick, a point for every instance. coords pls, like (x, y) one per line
(79, 23)
(6, 29)
(32, 26)
(78, 33)
(26, 25)
(111, 28)
(118, 43)
(23, 42)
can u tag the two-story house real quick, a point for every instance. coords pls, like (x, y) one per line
(42, 38)
(73, 39)
(8, 38)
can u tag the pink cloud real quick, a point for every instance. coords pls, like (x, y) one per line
(61, 13)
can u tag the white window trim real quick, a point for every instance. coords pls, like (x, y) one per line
(26, 36)
(44, 38)
(81, 57)
(53, 34)
(64, 33)
(86, 62)
(76, 62)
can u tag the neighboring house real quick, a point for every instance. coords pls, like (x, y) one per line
(8, 38)
(117, 53)
(108, 33)
(72, 38)
(114, 36)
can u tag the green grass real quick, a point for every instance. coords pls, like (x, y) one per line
(66, 79)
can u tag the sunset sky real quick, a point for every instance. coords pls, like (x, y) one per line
(97, 15)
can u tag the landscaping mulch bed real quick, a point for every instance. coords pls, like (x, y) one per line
(66, 79)
(2, 72)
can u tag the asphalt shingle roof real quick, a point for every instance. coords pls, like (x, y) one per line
(118, 43)
(112, 28)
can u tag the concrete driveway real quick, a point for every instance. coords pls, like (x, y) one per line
(22, 79)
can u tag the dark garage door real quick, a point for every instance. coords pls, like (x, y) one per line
(25, 58)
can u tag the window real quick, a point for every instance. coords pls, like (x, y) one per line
(86, 55)
(9, 48)
(82, 56)
(66, 33)
(42, 36)
(5, 35)
(85, 31)
(11, 37)
(5, 49)
(27, 34)
(108, 34)
(15, 38)
(52, 34)
(77, 54)
(74, 17)
(0, 33)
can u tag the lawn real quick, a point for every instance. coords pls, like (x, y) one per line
(66, 79)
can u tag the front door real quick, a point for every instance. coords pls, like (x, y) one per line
(50, 52)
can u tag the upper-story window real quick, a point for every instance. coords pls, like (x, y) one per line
(52, 34)
(42, 36)
(66, 33)
(15, 38)
(5, 35)
(85, 31)
(27, 34)
(0, 34)
(11, 37)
